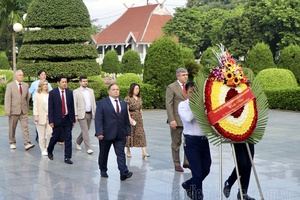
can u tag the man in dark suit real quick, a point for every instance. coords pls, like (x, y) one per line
(61, 117)
(112, 127)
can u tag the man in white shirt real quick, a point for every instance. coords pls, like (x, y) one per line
(196, 148)
(85, 107)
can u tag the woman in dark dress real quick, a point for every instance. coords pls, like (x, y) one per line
(138, 137)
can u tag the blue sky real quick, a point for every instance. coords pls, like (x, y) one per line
(107, 11)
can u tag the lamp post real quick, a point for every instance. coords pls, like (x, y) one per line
(17, 27)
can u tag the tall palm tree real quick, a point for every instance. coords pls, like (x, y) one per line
(11, 11)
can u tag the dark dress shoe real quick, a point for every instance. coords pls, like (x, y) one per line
(104, 174)
(50, 156)
(178, 169)
(186, 166)
(226, 189)
(126, 176)
(245, 197)
(68, 161)
(188, 190)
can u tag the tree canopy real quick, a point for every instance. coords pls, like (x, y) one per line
(239, 25)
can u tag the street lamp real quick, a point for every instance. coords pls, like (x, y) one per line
(17, 27)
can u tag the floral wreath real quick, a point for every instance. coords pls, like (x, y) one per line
(227, 104)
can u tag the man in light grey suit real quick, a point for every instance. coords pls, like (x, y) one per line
(16, 108)
(85, 107)
(174, 95)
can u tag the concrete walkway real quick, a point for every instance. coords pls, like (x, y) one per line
(29, 175)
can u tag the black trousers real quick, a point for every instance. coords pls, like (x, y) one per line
(244, 165)
(63, 130)
(104, 147)
(198, 154)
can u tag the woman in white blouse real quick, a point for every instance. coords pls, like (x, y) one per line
(40, 112)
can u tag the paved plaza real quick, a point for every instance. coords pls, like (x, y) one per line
(29, 175)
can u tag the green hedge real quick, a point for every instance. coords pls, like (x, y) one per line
(2, 92)
(59, 51)
(128, 78)
(147, 93)
(66, 34)
(285, 99)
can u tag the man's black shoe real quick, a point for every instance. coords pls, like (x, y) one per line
(245, 197)
(126, 176)
(104, 174)
(68, 161)
(226, 189)
(188, 190)
(50, 156)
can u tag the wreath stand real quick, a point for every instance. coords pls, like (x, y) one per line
(237, 171)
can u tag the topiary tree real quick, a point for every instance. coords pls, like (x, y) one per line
(274, 78)
(4, 64)
(59, 44)
(260, 57)
(289, 58)
(131, 62)
(111, 62)
(162, 60)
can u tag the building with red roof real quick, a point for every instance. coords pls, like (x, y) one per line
(136, 29)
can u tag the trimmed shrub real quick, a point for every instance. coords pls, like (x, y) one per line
(274, 78)
(4, 64)
(127, 79)
(289, 58)
(285, 99)
(59, 46)
(111, 62)
(131, 62)
(162, 60)
(260, 57)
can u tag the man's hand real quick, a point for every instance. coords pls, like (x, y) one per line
(7, 114)
(100, 137)
(52, 125)
(173, 124)
(76, 118)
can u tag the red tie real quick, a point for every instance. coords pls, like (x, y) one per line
(63, 106)
(184, 90)
(20, 88)
(117, 107)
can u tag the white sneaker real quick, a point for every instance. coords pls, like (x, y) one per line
(12, 146)
(89, 151)
(45, 153)
(29, 146)
(77, 145)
